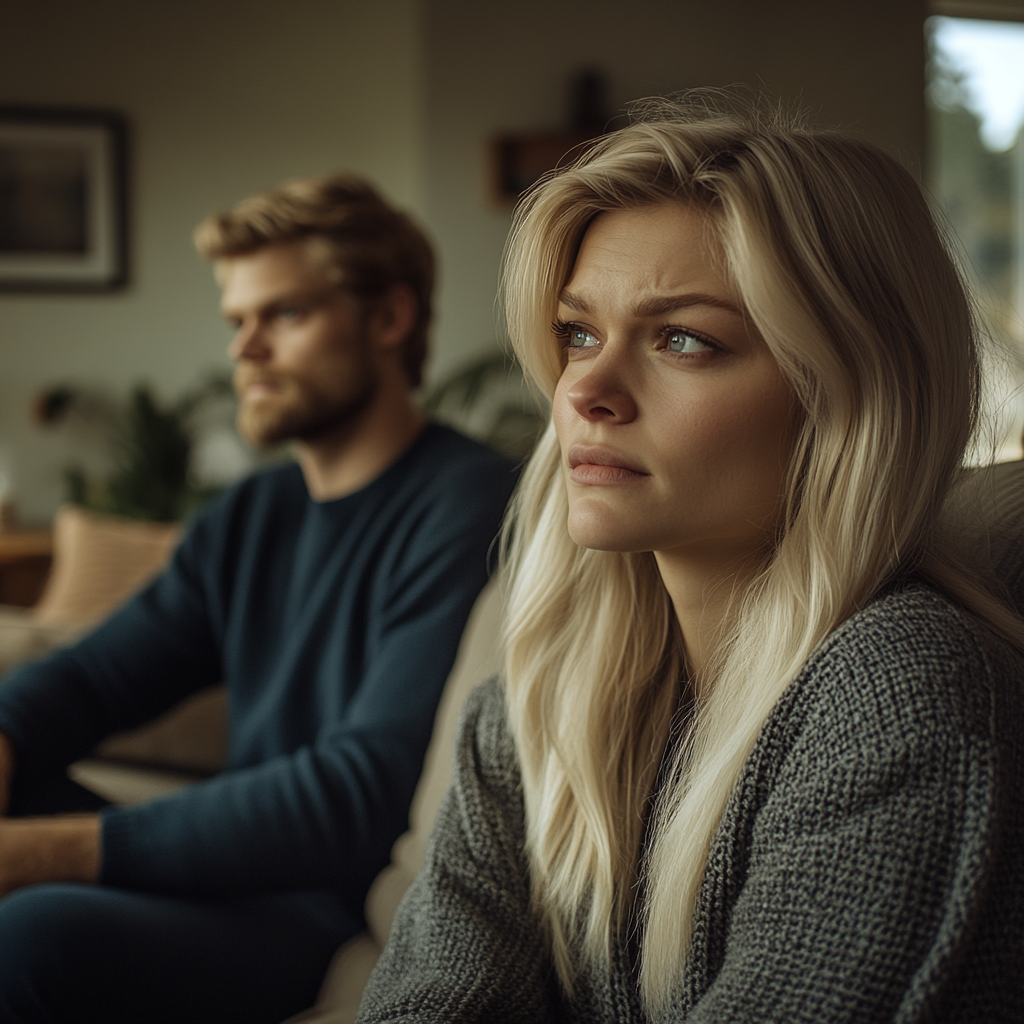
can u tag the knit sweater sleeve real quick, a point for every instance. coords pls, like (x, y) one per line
(326, 813)
(465, 946)
(854, 860)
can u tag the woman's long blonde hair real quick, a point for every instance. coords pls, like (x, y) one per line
(831, 249)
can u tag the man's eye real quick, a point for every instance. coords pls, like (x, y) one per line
(685, 342)
(288, 313)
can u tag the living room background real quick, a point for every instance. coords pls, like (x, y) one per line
(224, 98)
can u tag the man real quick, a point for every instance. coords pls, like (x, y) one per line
(330, 595)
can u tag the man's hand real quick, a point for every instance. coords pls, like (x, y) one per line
(58, 849)
(6, 771)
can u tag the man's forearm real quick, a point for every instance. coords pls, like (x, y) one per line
(57, 849)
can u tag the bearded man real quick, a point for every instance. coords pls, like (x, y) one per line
(329, 594)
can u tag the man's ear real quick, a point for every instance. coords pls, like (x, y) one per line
(393, 317)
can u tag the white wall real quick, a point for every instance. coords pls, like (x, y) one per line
(224, 97)
(230, 96)
(492, 68)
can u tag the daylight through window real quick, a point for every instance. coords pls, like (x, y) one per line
(976, 172)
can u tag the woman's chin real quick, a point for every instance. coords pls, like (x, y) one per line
(599, 536)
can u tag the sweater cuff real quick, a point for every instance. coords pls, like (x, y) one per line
(135, 853)
(115, 846)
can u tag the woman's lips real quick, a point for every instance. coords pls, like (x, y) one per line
(590, 464)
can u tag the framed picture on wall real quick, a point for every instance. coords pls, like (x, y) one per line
(62, 200)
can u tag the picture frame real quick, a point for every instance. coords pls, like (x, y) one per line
(62, 200)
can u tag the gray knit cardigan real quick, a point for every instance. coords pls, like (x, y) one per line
(869, 865)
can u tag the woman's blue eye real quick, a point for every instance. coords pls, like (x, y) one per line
(579, 338)
(683, 341)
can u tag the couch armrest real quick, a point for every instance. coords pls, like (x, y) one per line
(342, 990)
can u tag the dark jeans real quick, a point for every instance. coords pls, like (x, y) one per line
(78, 953)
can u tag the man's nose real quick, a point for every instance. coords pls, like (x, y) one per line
(249, 344)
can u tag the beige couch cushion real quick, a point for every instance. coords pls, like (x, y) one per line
(477, 659)
(996, 536)
(99, 561)
(23, 636)
(192, 737)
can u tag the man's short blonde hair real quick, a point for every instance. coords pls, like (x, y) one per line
(360, 243)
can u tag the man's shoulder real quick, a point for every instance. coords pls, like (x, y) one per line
(441, 448)
(440, 459)
(445, 467)
(244, 510)
(280, 481)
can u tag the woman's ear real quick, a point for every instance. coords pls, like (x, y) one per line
(393, 317)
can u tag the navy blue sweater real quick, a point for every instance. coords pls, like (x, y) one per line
(334, 625)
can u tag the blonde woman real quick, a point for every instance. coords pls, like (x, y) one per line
(756, 754)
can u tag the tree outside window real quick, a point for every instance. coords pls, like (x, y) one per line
(976, 174)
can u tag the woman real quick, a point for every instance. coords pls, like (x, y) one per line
(755, 754)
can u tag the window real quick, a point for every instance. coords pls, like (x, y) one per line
(976, 173)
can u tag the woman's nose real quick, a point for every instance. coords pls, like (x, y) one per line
(603, 393)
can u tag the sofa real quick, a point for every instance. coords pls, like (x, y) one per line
(189, 742)
(477, 659)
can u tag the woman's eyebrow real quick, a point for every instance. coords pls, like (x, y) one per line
(657, 305)
(574, 301)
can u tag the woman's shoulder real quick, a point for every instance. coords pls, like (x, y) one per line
(909, 704)
(915, 631)
(485, 747)
(881, 810)
(911, 660)
(486, 702)
(484, 717)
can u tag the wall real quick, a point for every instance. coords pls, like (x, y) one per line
(227, 97)
(492, 68)
(224, 97)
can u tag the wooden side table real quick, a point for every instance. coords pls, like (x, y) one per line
(24, 563)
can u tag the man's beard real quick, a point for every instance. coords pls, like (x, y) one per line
(299, 411)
